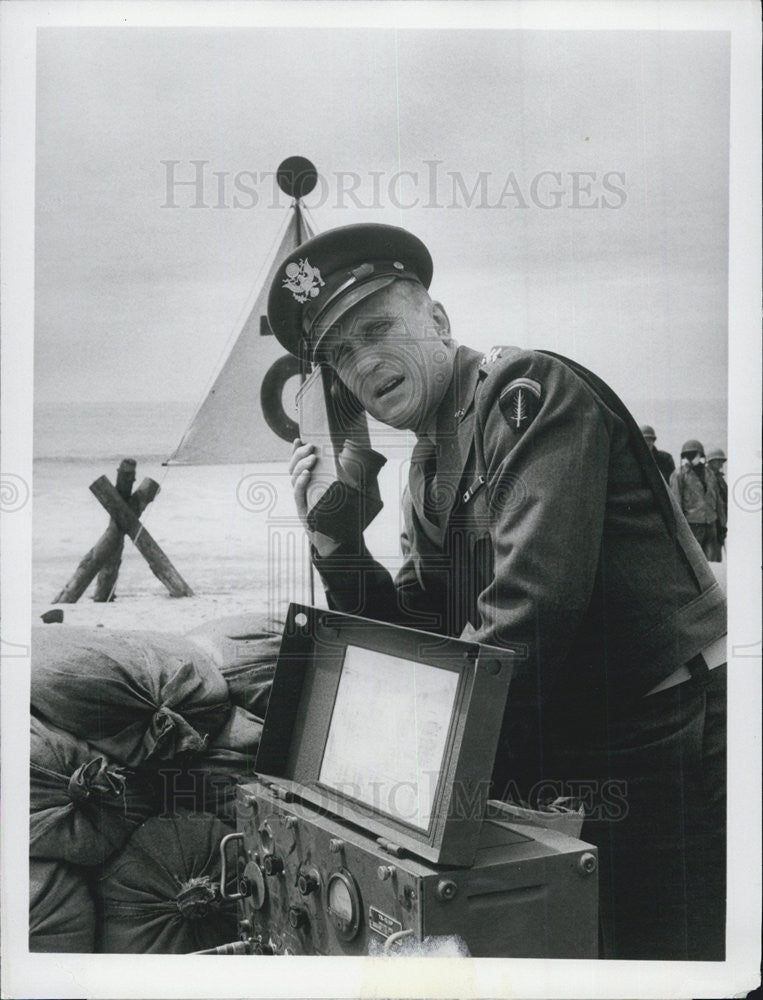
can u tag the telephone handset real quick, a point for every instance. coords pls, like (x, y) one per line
(343, 497)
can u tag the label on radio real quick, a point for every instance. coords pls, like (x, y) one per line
(381, 923)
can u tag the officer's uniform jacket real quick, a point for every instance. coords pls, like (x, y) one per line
(556, 537)
(700, 504)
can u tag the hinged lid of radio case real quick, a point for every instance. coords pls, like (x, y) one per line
(388, 728)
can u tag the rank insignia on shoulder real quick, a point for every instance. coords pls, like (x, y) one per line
(493, 355)
(520, 402)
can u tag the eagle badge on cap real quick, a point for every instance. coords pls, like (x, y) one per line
(520, 402)
(303, 280)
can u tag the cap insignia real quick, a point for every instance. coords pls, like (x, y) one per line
(303, 280)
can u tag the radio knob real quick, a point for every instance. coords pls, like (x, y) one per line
(272, 864)
(297, 917)
(385, 872)
(307, 883)
(446, 889)
(587, 863)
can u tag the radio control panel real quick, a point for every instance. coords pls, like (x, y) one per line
(314, 887)
(309, 883)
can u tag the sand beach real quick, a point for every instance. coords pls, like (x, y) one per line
(230, 532)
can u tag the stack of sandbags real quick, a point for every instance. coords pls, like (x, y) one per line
(139, 697)
(245, 649)
(161, 892)
(61, 911)
(110, 710)
(83, 807)
(209, 780)
(138, 742)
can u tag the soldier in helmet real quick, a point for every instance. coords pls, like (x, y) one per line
(536, 518)
(698, 493)
(716, 459)
(664, 459)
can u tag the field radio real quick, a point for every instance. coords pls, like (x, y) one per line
(368, 828)
(344, 496)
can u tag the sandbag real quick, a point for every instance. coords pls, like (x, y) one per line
(61, 908)
(245, 649)
(209, 781)
(161, 893)
(136, 696)
(83, 807)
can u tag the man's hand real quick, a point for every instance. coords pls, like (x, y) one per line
(301, 464)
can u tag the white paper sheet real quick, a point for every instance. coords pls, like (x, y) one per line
(388, 731)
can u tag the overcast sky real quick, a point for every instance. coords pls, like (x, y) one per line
(579, 203)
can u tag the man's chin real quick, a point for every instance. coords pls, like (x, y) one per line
(399, 419)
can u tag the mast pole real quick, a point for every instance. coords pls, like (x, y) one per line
(297, 177)
(303, 372)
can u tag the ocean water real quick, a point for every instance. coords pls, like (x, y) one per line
(152, 431)
(84, 431)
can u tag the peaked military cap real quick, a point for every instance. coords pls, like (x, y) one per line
(325, 276)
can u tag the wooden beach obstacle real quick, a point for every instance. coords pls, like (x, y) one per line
(104, 559)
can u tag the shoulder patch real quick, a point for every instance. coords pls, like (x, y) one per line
(520, 402)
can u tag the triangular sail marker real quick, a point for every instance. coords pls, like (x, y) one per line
(229, 427)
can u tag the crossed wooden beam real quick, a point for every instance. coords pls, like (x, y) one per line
(105, 557)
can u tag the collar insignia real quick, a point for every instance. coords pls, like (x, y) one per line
(493, 355)
(303, 280)
(520, 402)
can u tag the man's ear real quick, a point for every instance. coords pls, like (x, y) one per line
(441, 321)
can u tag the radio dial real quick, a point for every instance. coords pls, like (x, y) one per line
(253, 874)
(344, 906)
(272, 864)
(307, 883)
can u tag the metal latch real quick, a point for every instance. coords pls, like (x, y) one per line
(389, 847)
(282, 793)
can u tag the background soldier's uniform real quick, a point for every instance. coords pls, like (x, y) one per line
(702, 505)
(665, 463)
(549, 528)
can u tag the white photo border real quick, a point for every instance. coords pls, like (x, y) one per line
(63, 975)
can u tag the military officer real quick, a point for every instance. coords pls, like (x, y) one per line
(536, 518)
